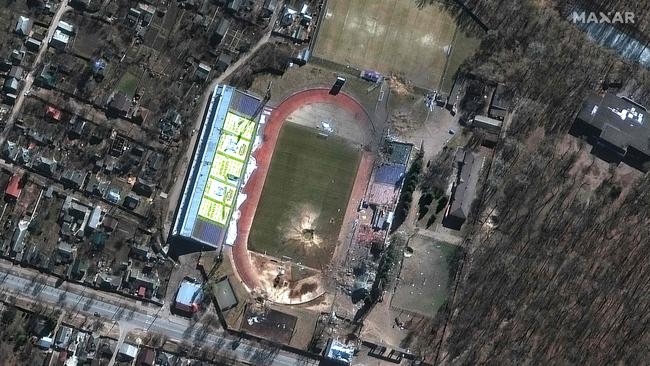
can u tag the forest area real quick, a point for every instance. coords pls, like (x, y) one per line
(561, 273)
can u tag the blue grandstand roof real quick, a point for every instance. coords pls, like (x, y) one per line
(189, 223)
(390, 174)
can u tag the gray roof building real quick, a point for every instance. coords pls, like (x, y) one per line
(120, 104)
(63, 337)
(16, 72)
(464, 190)
(74, 178)
(24, 26)
(33, 44)
(617, 128)
(10, 86)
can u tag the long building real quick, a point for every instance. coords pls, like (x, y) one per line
(219, 162)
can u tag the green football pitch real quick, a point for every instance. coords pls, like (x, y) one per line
(390, 36)
(305, 196)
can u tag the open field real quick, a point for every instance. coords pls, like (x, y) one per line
(305, 196)
(424, 278)
(128, 84)
(464, 46)
(391, 36)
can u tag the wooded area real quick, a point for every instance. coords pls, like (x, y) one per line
(563, 277)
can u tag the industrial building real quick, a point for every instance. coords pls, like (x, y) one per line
(215, 174)
(616, 128)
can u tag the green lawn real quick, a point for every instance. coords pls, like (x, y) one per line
(128, 84)
(307, 188)
(464, 47)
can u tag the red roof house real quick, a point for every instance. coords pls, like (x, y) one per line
(53, 113)
(13, 189)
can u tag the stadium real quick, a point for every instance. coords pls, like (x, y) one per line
(216, 172)
(287, 201)
(312, 170)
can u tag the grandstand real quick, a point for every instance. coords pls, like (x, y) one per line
(219, 162)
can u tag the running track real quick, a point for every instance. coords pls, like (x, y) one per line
(241, 259)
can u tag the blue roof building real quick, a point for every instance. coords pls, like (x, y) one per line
(220, 158)
(390, 174)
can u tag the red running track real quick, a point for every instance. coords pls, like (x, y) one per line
(240, 255)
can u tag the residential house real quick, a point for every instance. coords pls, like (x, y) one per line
(16, 72)
(75, 216)
(221, 30)
(33, 44)
(144, 187)
(14, 188)
(108, 282)
(127, 352)
(96, 217)
(17, 241)
(65, 28)
(59, 40)
(77, 128)
(45, 166)
(224, 61)
(146, 357)
(268, 8)
(120, 104)
(500, 102)
(73, 178)
(17, 57)
(47, 77)
(45, 343)
(203, 71)
(234, 5)
(24, 26)
(10, 150)
(63, 337)
(488, 124)
(109, 223)
(131, 202)
(142, 282)
(65, 253)
(468, 165)
(147, 12)
(11, 86)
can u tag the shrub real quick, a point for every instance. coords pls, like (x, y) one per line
(425, 200)
(423, 212)
(431, 220)
(442, 203)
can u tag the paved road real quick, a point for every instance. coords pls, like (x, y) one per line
(31, 285)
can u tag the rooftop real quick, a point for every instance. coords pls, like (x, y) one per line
(390, 174)
(189, 294)
(623, 122)
(220, 159)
